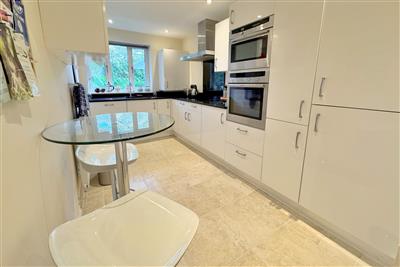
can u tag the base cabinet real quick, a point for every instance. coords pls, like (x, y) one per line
(213, 130)
(283, 157)
(244, 160)
(351, 173)
(142, 106)
(97, 108)
(164, 106)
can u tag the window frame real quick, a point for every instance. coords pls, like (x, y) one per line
(131, 67)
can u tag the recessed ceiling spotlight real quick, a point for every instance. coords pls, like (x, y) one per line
(166, 31)
(259, 16)
(209, 2)
(110, 21)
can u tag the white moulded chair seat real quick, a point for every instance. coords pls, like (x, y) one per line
(142, 228)
(100, 158)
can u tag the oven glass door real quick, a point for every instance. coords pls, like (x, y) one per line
(250, 49)
(246, 101)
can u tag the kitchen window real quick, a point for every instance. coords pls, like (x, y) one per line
(125, 69)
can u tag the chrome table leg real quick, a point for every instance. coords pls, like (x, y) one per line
(121, 184)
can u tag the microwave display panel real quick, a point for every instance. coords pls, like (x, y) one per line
(251, 49)
(246, 101)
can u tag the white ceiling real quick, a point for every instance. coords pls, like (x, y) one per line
(180, 17)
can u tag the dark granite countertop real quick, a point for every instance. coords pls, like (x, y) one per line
(179, 95)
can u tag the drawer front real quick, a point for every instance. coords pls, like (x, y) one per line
(107, 107)
(245, 137)
(243, 160)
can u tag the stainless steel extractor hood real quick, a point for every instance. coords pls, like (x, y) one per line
(205, 42)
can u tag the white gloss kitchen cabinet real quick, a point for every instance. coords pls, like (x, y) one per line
(164, 106)
(358, 57)
(74, 25)
(213, 130)
(242, 12)
(221, 57)
(283, 157)
(351, 173)
(293, 62)
(142, 105)
(173, 73)
(97, 108)
(188, 121)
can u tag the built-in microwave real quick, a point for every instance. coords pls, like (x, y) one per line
(250, 45)
(247, 97)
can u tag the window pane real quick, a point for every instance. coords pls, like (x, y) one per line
(97, 74)
(139, 66)
(119, 66)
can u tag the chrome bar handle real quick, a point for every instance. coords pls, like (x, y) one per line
(240, 153)
(185, 116)
(154, 105)
(231, 16)
(321, 86)
(222, 118)
(189, 117)
(296, 143)
(301, 109)
(316, 122)
(241, 130)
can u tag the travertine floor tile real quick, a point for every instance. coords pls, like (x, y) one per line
(239, 226)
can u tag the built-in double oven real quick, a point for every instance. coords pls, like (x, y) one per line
(250, 48)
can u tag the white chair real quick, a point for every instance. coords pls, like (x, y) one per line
(142, 228)
(99, 158)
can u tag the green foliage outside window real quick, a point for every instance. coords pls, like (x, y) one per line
(119, 66)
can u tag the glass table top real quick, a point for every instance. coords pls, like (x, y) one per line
(108, 128)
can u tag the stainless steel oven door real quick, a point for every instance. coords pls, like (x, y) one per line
(247, 104)
(251, 52)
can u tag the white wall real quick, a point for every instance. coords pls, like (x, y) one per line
(195, 68)
(37, 177)
(155, 42)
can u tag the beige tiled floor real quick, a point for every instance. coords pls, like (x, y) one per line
(239, 226)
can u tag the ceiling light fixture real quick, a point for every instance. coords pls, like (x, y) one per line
(166, 31)
(209, 2)
(110, 21)
(259, 16)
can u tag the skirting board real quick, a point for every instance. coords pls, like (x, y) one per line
(348, 242)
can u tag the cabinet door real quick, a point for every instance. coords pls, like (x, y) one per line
(164, 106)
(221, 45)
(181, 118)
(194, 123)
(142, 106)
(351, 173)
(283, 157)
(358, 64)
(242, 12)
(213, 130)
(245, 161)
(295, 47)
(63, 28)
(107, 107)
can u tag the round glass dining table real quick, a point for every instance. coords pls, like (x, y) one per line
(117, 128)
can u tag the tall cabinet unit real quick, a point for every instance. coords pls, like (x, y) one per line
(358, 64)
(294, 58)
(173, 73)
(293, 61)
(351, 168)
(351, 173)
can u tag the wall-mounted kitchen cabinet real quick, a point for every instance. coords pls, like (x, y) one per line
(243, 12)
(97, 108)
(358, 58)
(213, 130)
(173, 73)
(351, 174)
(74, 25)
(283, 157)
(293, 62)
(221, 58)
